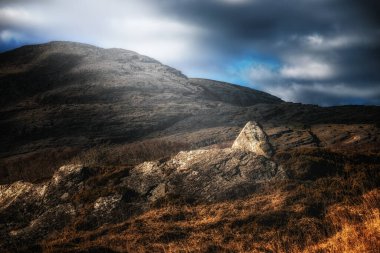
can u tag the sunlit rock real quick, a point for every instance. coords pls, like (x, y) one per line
(253, 139)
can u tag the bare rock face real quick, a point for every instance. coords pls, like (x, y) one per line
(104, 205)
(204, 175)
(210, 174)
(253, 139)
(30, 211)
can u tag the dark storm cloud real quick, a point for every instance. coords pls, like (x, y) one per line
(319, 45)
(266, 21)
(312, 51)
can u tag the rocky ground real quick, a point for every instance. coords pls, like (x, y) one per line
(79, 198)
(29, 212)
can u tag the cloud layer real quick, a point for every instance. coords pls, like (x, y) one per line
(311, 51)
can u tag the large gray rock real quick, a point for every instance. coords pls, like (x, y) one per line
(210, 174)
(204, 175)
(253, 139)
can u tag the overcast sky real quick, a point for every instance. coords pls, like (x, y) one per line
(324, 52)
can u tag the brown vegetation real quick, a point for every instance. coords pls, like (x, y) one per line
(357, 226)
(40, 165)
(333, 209)
(257, 224)
(330, 203)
(128, 154)
(34, 166)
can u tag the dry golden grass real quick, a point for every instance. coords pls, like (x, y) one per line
(177, 228)
(261, 223)
(329, 204)
(357, 226)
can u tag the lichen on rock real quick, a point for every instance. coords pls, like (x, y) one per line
(104, 205)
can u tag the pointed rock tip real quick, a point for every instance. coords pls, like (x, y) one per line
(252, 138)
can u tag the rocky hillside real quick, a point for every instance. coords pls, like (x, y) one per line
(78, 200)
(31, 211)
(79, 94)
(62, 98)
(106, 150)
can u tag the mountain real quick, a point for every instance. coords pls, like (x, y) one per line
(61, 98)
(106, 150)
(64, 94)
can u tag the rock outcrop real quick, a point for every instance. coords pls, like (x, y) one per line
(253, 139)
(29, 211)
(204, 175)
(210, 174)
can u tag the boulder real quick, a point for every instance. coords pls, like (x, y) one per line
(204, 175)
(253, 139)
(207, 175)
